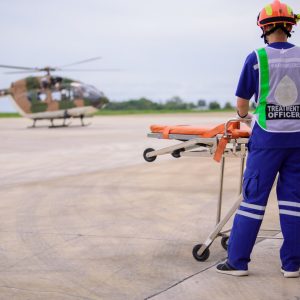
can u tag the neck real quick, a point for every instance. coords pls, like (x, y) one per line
(276, 40)
(277, 36)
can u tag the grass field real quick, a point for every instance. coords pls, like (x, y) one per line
(9, 115)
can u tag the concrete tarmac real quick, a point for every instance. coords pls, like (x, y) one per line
(83, 216)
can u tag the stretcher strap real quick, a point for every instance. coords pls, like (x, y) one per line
(233, 133)
(166, 132)
(167, 129)
(221, 148)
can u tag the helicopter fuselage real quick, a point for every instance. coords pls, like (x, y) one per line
(51, 97)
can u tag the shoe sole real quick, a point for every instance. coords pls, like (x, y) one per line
(238, 273)
(287, 274)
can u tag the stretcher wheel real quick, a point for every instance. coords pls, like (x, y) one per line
(204, 256)
(176, 153)
(149, 159)
(224, 242)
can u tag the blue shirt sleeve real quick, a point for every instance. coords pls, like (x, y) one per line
(248, 82)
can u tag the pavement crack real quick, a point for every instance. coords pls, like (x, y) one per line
(181, 281)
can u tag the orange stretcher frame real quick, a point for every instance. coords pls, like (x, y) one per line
(223, 134)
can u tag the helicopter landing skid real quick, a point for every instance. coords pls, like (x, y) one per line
(60, 126)
(64, 124)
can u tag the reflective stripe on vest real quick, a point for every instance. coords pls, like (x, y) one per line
(264, 86)
(278, 107)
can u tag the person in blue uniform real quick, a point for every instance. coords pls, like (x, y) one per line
(272, 74)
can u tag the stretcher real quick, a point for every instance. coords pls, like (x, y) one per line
(225, 140)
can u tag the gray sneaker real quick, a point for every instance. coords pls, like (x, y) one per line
(288, 274)
(225, 268)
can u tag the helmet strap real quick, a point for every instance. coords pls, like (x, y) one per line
(276, 27)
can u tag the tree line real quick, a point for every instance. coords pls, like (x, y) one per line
(175, 103)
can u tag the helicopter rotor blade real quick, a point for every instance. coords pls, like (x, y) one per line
(23, 72)
(90, 70)
(63, 70)
(81, 62)
(48, 69)
(17, 67)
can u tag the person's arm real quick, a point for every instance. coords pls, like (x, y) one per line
(242, 106)
(247, 86)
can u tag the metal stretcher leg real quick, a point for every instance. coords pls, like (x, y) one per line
(224, 234)
(201, 251)
(242, 168)
(220, 190)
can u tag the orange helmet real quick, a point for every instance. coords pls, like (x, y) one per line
(276, 13)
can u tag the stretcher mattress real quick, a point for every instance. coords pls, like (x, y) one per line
(234, 130)
(224, 133)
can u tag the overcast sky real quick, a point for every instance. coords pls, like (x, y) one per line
(189, 48)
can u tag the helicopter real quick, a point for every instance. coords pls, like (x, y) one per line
(50, 97)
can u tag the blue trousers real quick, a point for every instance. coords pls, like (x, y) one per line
(262, 167)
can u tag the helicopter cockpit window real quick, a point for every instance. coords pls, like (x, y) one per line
(85, 91)
(65, 92)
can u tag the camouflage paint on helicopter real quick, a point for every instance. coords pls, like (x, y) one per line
(55, 97)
